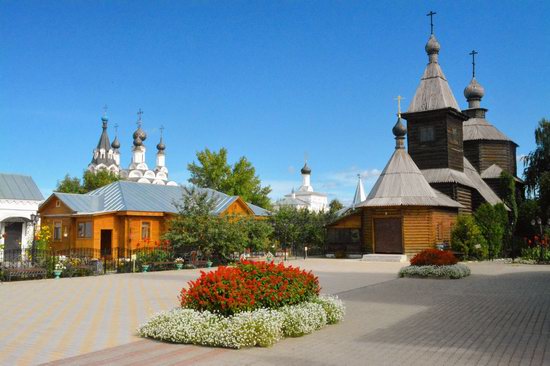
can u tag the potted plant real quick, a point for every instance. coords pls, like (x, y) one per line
(209, 263)
(179, 262)
(269, 257)
(144, 267)
(59, 267)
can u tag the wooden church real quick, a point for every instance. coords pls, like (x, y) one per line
(452, 165)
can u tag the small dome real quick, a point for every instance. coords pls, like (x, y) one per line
(116, 143)
(399, 130)
(140, 133)
(432, 46)
(138, 141)
(474, 90)
(104, 118)
(161, 146)
(306, 169)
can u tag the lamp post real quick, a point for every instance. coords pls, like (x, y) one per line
(34, 221)
(535, 222)
(305, 252)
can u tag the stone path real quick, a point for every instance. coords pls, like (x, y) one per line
(497, 316)
(46, 320)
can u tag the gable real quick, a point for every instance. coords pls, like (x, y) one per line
(238, 207)
(54, 206)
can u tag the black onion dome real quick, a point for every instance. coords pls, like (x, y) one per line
(160, 145)
(138, 141)
(474, 90)
(399, 130)
(306, 169)
(432, 46)
(116, 143)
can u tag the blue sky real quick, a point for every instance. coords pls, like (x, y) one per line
(270, 80)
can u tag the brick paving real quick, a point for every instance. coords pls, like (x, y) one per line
(497, 316)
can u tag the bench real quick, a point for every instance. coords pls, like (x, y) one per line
(163, 265)
(30, 272)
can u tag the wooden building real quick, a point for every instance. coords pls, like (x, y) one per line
(123, 215)
(402, 214)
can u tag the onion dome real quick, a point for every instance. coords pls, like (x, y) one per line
(116, 143)
(140, 133)
(105, 118)
(433, 46)
(160, 145)
(138, 141)
(474, 90)
(306, 169)
(399, 130)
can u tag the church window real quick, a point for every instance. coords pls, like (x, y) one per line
(145, 230)
(57, 230)
(85, 229)
(427, 134)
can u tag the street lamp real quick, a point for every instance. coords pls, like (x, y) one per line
(305, 252)
(34, 221)
(535, 222)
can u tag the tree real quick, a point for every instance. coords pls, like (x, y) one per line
(213, 171)
(527, 211)
(537, 162)
(492, 221)
(97, 180)
(69, 185)
(466, 238)
(90, 181)
(335, 205)
(508, 188)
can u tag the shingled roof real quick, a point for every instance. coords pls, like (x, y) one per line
(481, 129)
(401, 183)
(434, 91)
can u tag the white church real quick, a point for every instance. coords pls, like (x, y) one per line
(106, 156)
(305, 197)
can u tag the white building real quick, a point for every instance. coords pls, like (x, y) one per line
(106, 156)
(305, 197)
(19, 201)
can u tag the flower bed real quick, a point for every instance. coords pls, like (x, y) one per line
(454, 271)
(261, 327)
(435, 263)
(251, 304)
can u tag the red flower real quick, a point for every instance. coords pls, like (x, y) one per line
(434, 257)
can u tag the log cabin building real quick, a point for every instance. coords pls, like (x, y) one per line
(453, 165)
(124, 215)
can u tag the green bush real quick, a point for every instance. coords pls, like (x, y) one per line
(533, 253)
(492, 222)
(466, 238)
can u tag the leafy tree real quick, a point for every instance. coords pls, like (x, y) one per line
(527, 210)
(544, 194)
(537, 162)
(259, 234)
(69, 185)
(466, 238)
(286, 228)
(90, 181)
(213, 171)
(335, 205)
(492, 221)
(97, 180)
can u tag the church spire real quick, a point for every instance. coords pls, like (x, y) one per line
(399, 130)
(103, 153)
(434, 91)
(360, 195)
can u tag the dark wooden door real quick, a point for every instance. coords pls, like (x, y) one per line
(388, 236)
(12, 240)
(106, 242)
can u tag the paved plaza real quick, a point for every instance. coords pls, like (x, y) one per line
(497, 316)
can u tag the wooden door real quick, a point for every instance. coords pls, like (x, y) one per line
(106, 242)
(388, 237)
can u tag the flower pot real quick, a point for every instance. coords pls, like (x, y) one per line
(57, 273)
(209, 264)
(179, 265)
(145, 267)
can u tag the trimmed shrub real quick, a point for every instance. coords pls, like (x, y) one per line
(434, 257)
(249, 286)
(466, 238)
(454, 271)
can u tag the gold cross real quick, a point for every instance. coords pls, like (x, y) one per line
(399, 99)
